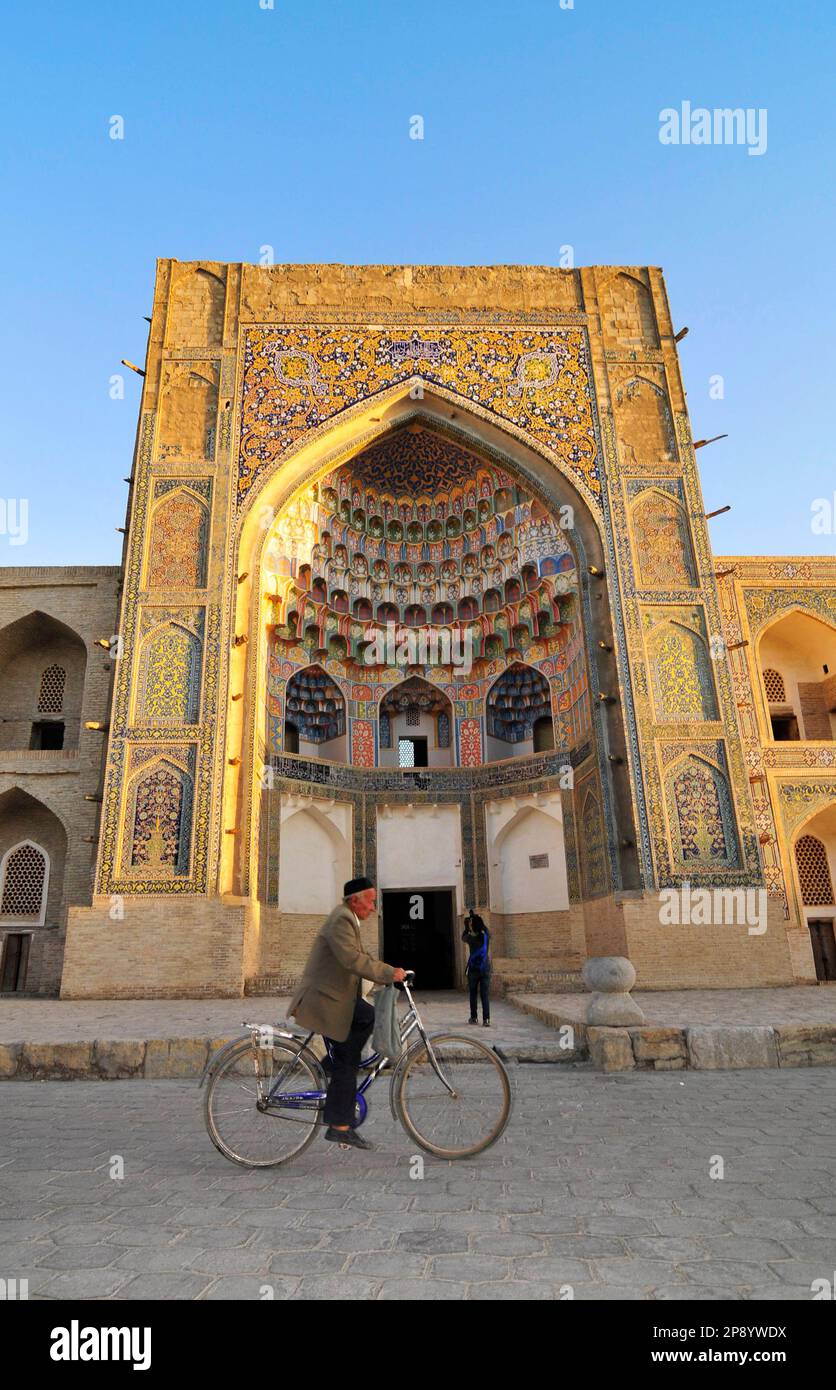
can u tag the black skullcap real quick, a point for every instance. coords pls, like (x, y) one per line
(356, 885)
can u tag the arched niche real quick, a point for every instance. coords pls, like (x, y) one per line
(158, 822)
(418, 714)
(528, 859)
(177, 551)
(628, 313)
(27, 821)
(814, 873)
(518, 702)
(798, 651)
(308, 836)
(313, 458)
(30, 648)
(168, 675)
(314, 715)
(701, 815)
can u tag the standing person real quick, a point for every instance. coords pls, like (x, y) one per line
(329, 1001)
(478, 938)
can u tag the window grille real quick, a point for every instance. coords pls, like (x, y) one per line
(24, 880)
(51, 696)
(774, 683)
(813, 872)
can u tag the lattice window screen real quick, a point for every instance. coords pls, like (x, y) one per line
(23, 883)
(774, 683)
(413, 717)
(406, 752)
(51, 696)
(813, 872)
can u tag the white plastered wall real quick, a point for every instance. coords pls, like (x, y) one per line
(518, 828)
(315, 858)
(420, 847)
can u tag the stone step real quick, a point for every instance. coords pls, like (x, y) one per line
(274, 985)
(521, 977)
(528, 977)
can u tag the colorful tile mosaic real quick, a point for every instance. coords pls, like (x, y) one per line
(295, 379)
(179, 536)
(661, 538)
(169, 675)
(680, 666)
(470, 742)
(702, 815)
(362, 743)
(594, 844)
(762, 605)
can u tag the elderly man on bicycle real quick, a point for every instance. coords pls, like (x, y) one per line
(329, 1001)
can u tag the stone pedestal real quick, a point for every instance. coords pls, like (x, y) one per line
(610, 978)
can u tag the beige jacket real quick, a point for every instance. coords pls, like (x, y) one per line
(330, 985)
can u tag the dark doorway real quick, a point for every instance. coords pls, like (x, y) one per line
(784, 728)
(418, 934)
(824, 948)
(47, 734)
(15, 955)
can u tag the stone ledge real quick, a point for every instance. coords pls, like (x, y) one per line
(168, 1059)
(705, 1047)
(107, 1059)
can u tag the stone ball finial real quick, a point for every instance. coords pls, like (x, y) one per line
(609, 974)
(610, 978)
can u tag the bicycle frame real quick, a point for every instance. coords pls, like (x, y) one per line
(373, 1065)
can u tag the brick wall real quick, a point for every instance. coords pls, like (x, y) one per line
(42, 792)
(161, 949)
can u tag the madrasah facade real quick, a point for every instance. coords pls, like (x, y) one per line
(416, 583)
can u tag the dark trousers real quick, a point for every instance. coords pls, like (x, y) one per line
(342, 1086)
(481, 985)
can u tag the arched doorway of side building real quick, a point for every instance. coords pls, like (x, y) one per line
(815, 867)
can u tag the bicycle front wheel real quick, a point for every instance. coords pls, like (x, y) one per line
(453, 1096)
(263, 1104)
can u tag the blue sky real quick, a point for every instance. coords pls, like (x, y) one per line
(290, 127)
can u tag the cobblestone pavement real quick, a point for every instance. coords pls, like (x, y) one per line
(601, 1184)
(83, 1020)
(726, 1008)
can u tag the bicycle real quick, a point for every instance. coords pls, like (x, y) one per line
(266, 1092)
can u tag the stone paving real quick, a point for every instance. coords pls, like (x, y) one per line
(70, 1020)
(600, 1187)
(732, 1008)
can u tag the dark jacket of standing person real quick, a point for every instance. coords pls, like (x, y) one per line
(477, 937)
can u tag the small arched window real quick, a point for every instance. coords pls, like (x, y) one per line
(24, 878)
(813, 872)
(51, 693)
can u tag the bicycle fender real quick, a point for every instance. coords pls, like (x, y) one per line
(217, 1057)
(214, 1060)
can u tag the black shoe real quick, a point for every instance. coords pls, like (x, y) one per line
(473, 1020)
(348, 1138)
(486, 1023)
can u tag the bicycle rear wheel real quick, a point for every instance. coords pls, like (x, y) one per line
(464, 1116)
(242, 1125)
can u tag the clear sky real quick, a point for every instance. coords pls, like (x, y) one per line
(248, 126)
